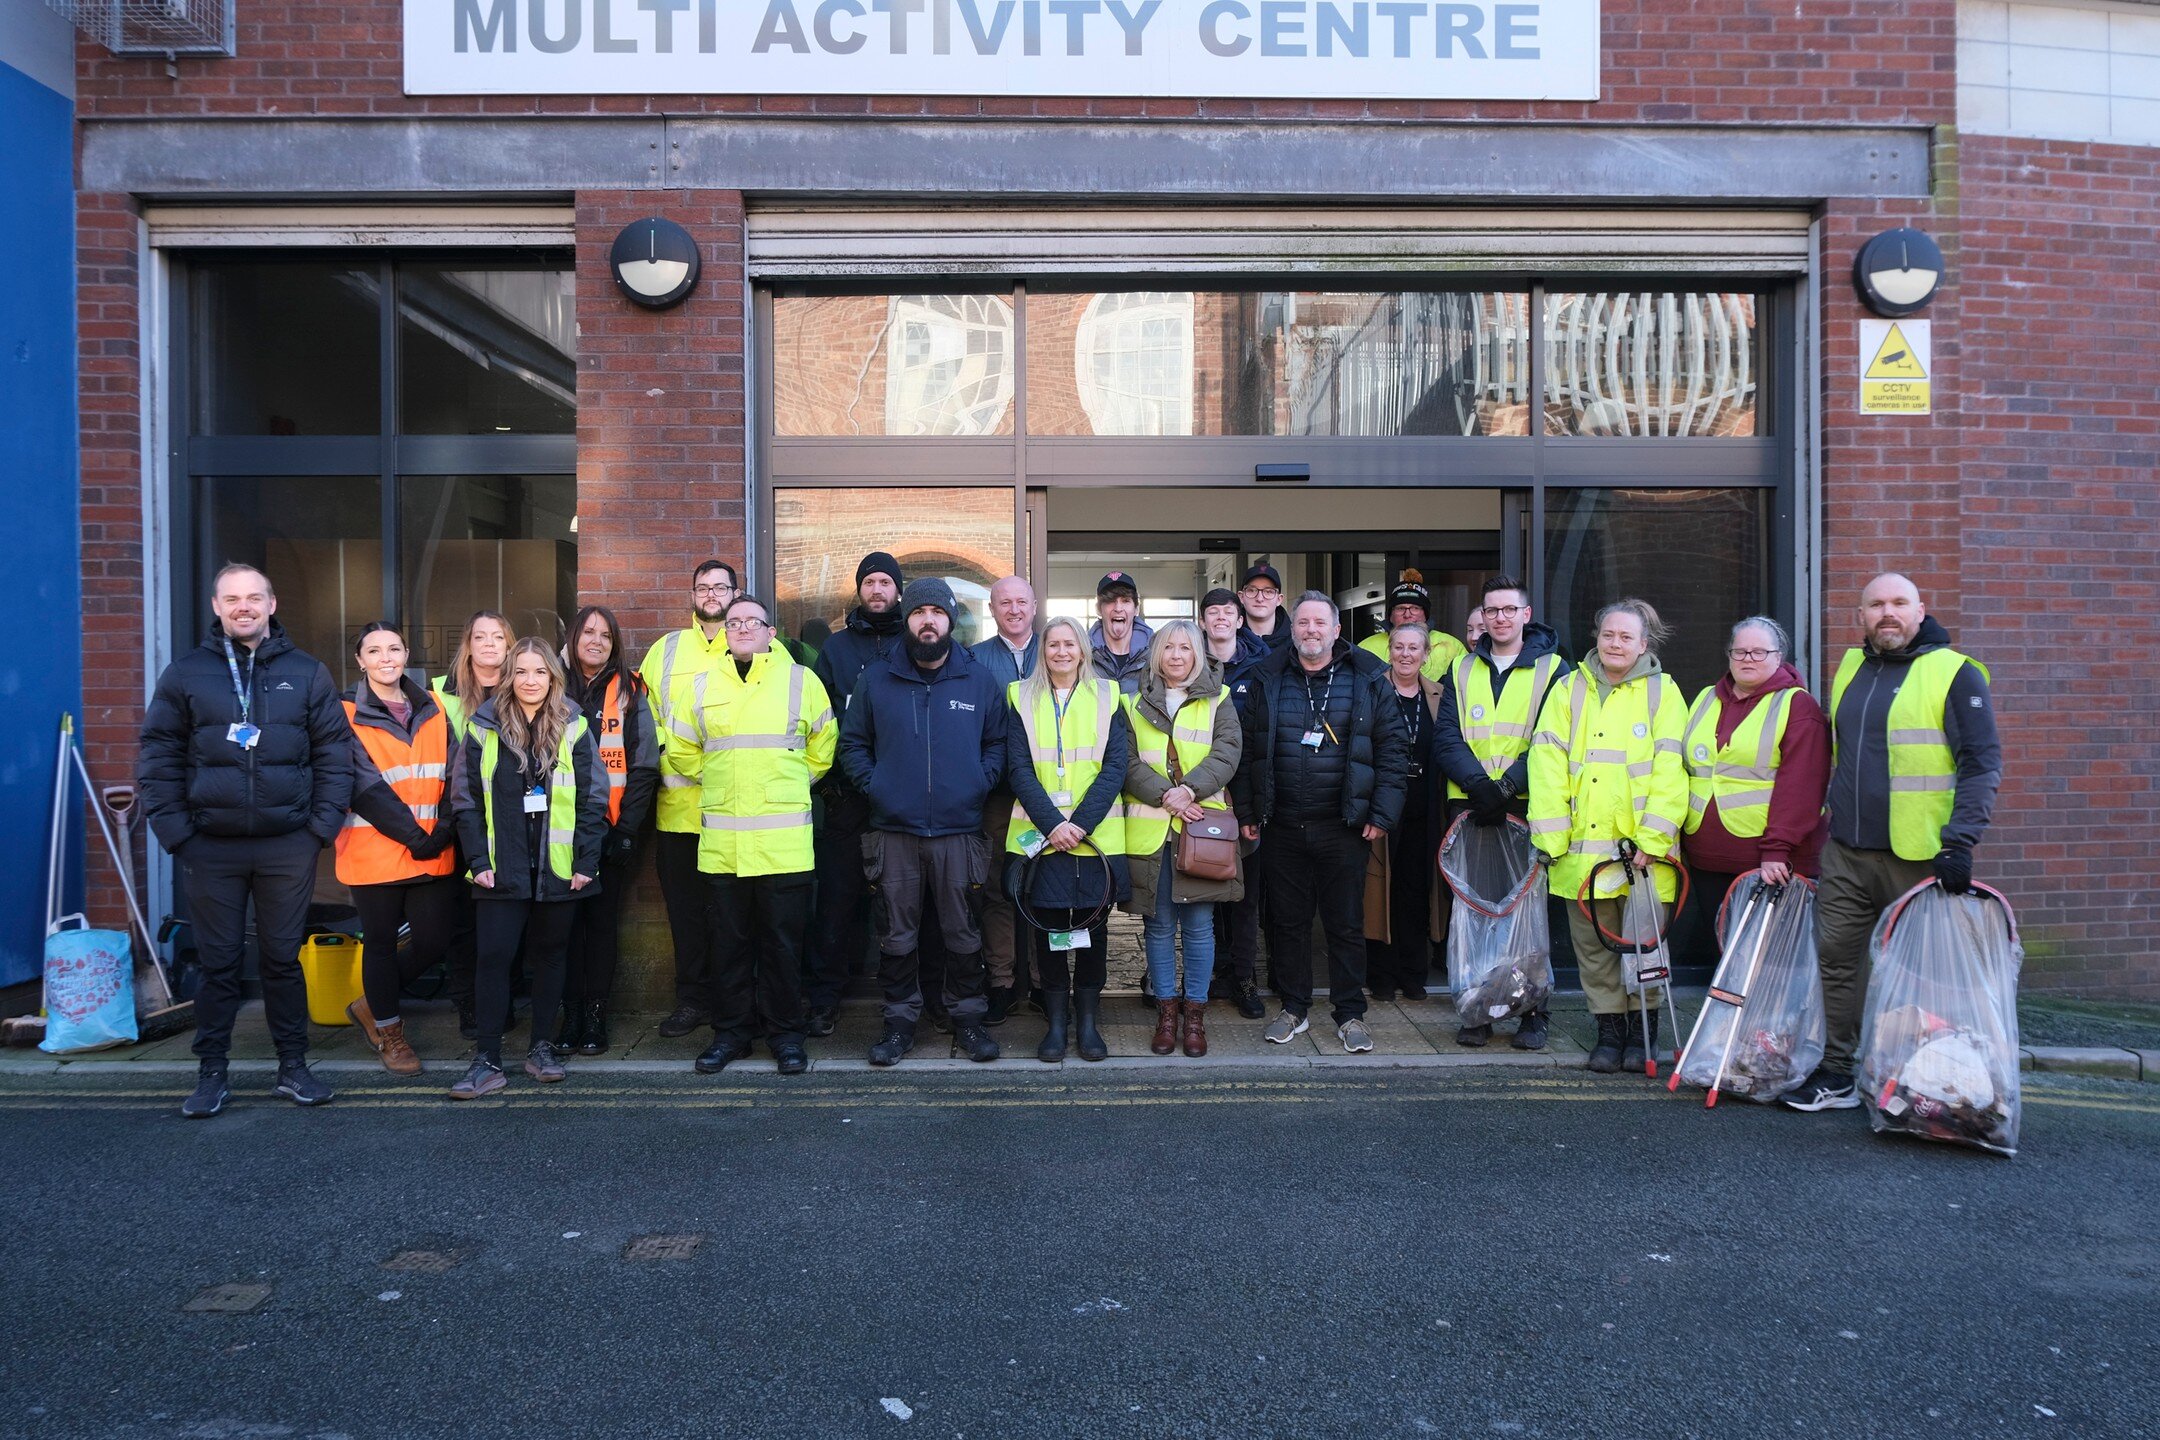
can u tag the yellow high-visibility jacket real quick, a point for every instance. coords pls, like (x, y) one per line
(757, 743)
(1606, 766)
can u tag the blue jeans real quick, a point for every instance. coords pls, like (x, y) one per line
(1198, 923)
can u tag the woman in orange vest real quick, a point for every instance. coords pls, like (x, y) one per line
(394, 853)
(611, 696)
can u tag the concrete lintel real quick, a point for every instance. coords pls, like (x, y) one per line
(859, 156)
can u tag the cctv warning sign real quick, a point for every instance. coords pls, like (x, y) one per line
(1894, 378)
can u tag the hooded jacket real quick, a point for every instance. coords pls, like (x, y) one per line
(1374, 756)
(194, 779)
(512, 857)
(1794, 832)
(1451, 754)
(1237, 670)
(1859, 797)
(926, 751)
(1276, 638)
(1123, 671)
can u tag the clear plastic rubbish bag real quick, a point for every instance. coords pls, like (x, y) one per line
(1499, 947)
(1939, 1033)
(1761, 1029)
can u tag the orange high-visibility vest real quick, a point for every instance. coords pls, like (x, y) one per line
(614, 751)
(418, 773)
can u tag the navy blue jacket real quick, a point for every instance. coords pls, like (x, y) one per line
(997, 658)
(860, 643)
(1068, 882)
(927, 753)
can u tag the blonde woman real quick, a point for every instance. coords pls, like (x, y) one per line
(1186, 744)
(530, 793)
(476, 668)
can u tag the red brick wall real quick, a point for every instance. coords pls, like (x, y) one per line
(1852, 61)
(2059, 310)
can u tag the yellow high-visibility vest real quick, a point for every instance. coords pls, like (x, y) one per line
(561, 799)
(1148, 827)
(1603, 771)
(1740, 774)
(1067, 751)
(1923, 769)
(1497, 727)
(1440, 656)
(757, 743)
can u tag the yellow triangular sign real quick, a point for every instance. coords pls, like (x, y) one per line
(1894, 360)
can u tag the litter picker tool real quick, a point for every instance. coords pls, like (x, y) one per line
(1644, 960)
(1762, 904)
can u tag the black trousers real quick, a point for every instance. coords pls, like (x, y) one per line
(1403, 962)
(1317, 868)
(539, 930)
(596, 936)
(840, 928)
(1063, 970)
(221, 874)
(1237, 928)
(689, 918)
(463, 953)
(759, 923)
(432, 907)
(1696, 942)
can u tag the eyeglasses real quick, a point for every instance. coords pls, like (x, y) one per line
(1261, 592)
(1750, 656)
(712, 589)
(748, 627)
(1502, 612)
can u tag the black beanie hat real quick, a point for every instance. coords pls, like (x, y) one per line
(877, 562)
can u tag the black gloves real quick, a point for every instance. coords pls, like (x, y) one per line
(1488, 802)
(1953, 867)
(434, 843)
(617, 844)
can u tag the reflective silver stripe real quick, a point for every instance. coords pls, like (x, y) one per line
(399, 774)
(354, 822)
(1773, 717)
(681, 731)
(1740, 797)
(794, 700)
(667, 666)
(1497, 765)
(1665, 747)
(1919, 737)
(1196, 737)
(1662, 826)
(679, 782)
(615, 781)
(715, 743)
(562, 837)
(1602, 756)
(1549, 827)
(1705, 706)
(1923, 782)
(755, 822)
(1593, 847)
(821, 720)
(1134, 810)
(1512, 731)
(1546, 737)
(1641, 769)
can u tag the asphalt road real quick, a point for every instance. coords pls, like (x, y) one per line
(1004, 1254)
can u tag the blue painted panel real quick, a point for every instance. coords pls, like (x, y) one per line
(41, 661)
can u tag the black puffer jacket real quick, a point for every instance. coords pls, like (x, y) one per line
(512, 856)
(1374, 755)
(866, 640)
(194, 780)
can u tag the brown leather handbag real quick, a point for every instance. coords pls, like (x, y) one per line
(1207, 848)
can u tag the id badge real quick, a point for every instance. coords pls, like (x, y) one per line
(1032, 842)
(1312, 740)
(1063, 940)
(241, 733)
(535, 802)
(1062, 799)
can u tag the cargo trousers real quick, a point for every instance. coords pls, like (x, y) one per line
(1855, 888)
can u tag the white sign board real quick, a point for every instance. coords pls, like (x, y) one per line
(1896, 363)
(1277, 49)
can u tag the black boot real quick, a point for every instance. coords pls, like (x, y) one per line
(1001, 1004)
(592, 1033)
(1052, 1048)
(1249, 1003)
(571, 1031)
(970, 1039)
(1611, 1033)
(1632, 1049)
(1087, 1012)
(897, 1041)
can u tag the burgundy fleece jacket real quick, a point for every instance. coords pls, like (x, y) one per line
(1797, 825)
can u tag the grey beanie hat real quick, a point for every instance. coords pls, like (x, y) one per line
(928, 590)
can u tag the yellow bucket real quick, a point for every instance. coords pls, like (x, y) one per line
(331, 965)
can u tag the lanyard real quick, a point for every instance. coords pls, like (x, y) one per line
(1057, 720)
(241, 693)
(1318, 715)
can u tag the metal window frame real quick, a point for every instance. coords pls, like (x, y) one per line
(389, 457)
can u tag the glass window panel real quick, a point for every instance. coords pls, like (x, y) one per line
(286, 347)
(483, 351)
(1698, 556)
(915, 365)
(964, 535)
(320, 542)
(1278, 363)
(1653, 363)
(485, 542)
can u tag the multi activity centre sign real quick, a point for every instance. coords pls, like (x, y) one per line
(1299, 49)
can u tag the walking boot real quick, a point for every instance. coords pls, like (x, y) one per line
(1001, 1004)
(1530, 1032)
(897, 1041)
(397, 1054)
(1166, 1028)
(1087, 1031)
(1605, 1055)
(1632, 1051)
(970, 1039)
(592, 1035)
(570, 1032)
(1052, 1048)
(360, 1015)
(1195, 1037)
(1249, 1004)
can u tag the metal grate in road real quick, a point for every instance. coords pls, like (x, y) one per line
(662, 1247)
(228, 1299)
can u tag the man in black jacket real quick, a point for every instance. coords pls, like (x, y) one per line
(245, 771)
(1324, 774)
(838, 929)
